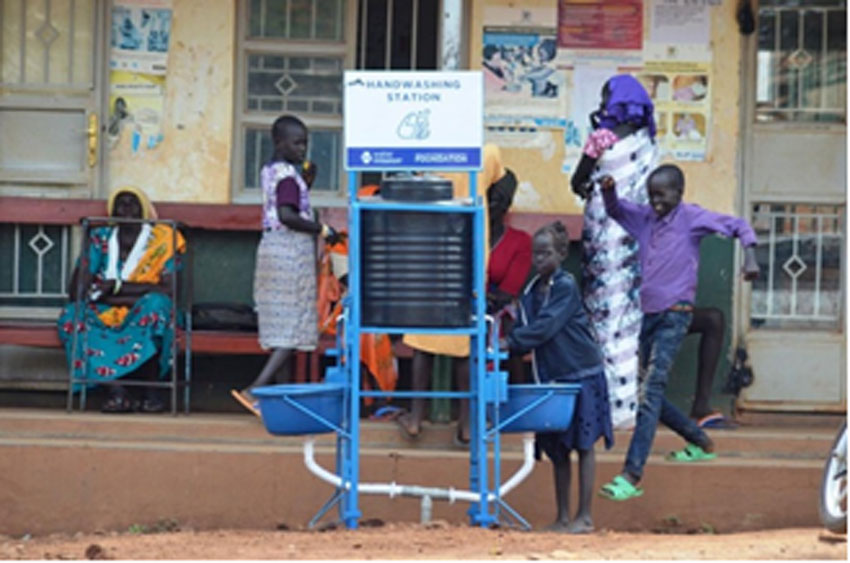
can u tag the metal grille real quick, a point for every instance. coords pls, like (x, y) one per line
(295, 84)
(324, 147)
(297, 19)
(293, 54)
(47, 43)
(38, 258)
(801, 255)
(802, 61)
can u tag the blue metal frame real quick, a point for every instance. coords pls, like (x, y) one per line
(488, 387)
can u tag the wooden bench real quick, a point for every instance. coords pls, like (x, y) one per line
(214, 217)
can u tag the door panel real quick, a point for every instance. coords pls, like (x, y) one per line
(817, 172)
(55, 133)
(50, 97)
(795, 176)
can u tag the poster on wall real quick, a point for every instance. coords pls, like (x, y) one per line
(520, 76)
(141, 32)
(600, 24)
(681, 21)
(681, 92)
(587, 82)
(136, 106)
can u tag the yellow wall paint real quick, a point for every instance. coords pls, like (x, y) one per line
(192, 164)
(712, 183)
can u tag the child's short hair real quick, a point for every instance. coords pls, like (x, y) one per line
(282, 123)
(672, 172)
(560, 236)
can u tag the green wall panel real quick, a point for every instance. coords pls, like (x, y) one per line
(224, 266)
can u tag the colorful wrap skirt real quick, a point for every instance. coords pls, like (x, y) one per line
(611, 271)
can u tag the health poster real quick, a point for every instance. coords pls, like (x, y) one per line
(600, 24)
(521, 79)
(681, 92)
(141, 32)
(136, 109)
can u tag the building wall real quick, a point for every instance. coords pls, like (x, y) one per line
(192, 164)
(713, 183)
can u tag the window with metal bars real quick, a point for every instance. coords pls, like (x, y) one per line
(291, 57)
(801, 256)
(802, 61)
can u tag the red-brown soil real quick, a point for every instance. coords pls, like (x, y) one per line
(438, 540)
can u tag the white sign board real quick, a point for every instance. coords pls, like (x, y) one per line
(413, 120)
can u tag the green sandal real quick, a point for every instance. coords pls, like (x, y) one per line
(620, 489)
(690, 454)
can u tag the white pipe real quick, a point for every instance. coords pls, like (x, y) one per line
(393, 489)
(524, 469)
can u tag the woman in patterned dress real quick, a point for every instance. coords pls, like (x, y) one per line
(285, 270)
(623, 146)
(125, 327)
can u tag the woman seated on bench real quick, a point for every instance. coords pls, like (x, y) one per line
(127, 328)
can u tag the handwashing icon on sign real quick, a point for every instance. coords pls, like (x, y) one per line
(415, 125)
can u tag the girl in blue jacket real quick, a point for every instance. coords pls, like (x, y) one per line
(553, 326)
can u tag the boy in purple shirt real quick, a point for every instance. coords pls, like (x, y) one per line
(668, 233)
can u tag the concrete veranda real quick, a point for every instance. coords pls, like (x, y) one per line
(62, 472)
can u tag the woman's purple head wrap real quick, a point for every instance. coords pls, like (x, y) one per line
(628, 102)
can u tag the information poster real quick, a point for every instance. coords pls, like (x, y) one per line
(136, 104)
(141, 32)
(587, 81)
(138, 60)
(521, 79)
(415, 120)
(681, 21)
(681, 92)
(600, 24)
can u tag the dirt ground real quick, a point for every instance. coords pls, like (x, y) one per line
(437, 540)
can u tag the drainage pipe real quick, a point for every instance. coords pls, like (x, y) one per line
(393, 489)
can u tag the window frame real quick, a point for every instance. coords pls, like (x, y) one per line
(243, 119)
(791, 124)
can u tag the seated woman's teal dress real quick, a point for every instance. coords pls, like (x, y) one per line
(110, 343)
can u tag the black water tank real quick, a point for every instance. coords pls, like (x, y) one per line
(417, 268)
(416, 188)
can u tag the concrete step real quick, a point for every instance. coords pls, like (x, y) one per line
(246, 431)
(87, 471)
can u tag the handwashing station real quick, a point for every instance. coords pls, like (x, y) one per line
(416, 265)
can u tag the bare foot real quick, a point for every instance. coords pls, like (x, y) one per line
(558, 526)
(462, 434)
(407, 426)
(583, 525)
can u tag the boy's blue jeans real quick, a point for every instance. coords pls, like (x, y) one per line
(661, 335)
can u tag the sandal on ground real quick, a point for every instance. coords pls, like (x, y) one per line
(244, 399)
(117, 404)
(386, 413)
(620, 489)
(716, 420)
(690, 454)
(152, 406)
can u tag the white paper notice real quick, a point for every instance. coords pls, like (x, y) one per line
(680, 21)
(586, 95)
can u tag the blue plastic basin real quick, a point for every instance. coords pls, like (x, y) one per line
(280, 416)
(554, 414)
